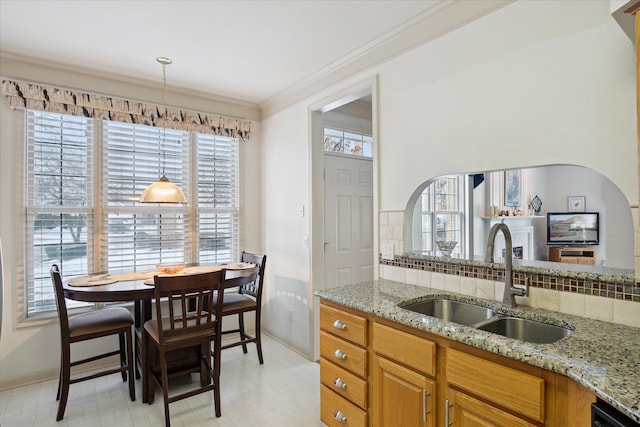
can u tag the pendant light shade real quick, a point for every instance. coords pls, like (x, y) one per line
(163, 191)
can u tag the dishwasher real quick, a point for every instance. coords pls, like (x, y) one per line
(604, 415)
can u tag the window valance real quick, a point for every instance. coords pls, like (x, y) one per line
(31, 96)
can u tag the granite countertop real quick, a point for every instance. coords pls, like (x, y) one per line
(603, 357)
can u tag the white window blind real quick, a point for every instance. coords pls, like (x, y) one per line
(218, 192)
(86, 231)
(137, 237)
(59, 201)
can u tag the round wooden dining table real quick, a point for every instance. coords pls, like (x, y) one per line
(137, 288)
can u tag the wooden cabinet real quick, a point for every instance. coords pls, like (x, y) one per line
(404, 370)
(464, 410)
(501, 389)
(584, 256)
(379, 373)
(343, 368)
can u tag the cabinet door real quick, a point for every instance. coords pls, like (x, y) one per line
(464, 410)
(401, 397)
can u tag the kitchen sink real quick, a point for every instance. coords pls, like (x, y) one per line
(525, 330)
(452, 311)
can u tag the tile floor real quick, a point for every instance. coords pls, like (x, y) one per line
(283, 392)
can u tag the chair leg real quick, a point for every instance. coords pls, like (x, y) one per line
(123, 355)
(216, 373)
(130, 365)
(148, 382)
(65, 376)
(258, 340)
(59, 380)
(165, 386)
(242, 334)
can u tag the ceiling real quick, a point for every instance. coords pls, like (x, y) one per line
(252, 51)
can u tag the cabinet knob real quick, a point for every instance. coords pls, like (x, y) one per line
(340, 384)
(340, 417)
(339, 324)
(340, 354)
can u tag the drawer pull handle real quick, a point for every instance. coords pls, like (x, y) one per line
(340, 417)
(339, 324)
(340, 384)
(340, 354)
(446, 413)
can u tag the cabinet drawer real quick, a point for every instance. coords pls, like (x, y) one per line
(334, 407)
(413, 351)
(518, 391)
(465, 410)
(344, 383)
(354, 358)
(345, 325)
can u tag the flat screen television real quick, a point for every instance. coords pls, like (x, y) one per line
(573, 228)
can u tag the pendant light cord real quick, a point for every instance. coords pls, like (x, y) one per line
(164, 104)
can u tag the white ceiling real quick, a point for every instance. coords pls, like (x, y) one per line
(245, 50)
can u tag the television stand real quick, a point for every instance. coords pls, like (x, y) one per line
(572, 255)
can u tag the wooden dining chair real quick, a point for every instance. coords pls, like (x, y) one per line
(184, 322)
(247, 299)
(88, 326)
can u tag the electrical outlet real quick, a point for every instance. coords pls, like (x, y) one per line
(290, 315)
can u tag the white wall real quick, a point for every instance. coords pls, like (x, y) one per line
(30, 352)
(534, 83)
(285, 187)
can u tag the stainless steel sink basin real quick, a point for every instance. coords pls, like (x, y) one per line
(452, 311)
(525, 330)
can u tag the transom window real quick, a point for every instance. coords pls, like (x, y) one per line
(83, 181)
(350, 143)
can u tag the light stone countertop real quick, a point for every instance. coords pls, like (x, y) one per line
(604, 357)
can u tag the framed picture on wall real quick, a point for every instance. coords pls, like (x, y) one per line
(576, 203)
(512, 187)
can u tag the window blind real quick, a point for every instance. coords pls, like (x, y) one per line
(218, 193)
(137, 237)
(59, 201)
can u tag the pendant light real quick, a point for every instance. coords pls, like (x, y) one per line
(163, 191)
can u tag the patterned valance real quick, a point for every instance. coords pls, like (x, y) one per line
(32, 96)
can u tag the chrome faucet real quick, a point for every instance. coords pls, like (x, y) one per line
(510, 291)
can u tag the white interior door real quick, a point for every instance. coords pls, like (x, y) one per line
(348, 220)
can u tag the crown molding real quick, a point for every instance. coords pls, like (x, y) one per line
(46, 72)
(444, 17)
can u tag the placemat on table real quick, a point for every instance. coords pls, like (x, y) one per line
(106, 279)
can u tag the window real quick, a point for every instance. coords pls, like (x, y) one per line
(442, 213)
(85, 216)
(353, 144)
(59, 201)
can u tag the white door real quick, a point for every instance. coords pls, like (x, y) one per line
(348, 220)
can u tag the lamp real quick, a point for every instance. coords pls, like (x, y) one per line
(163, 191)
